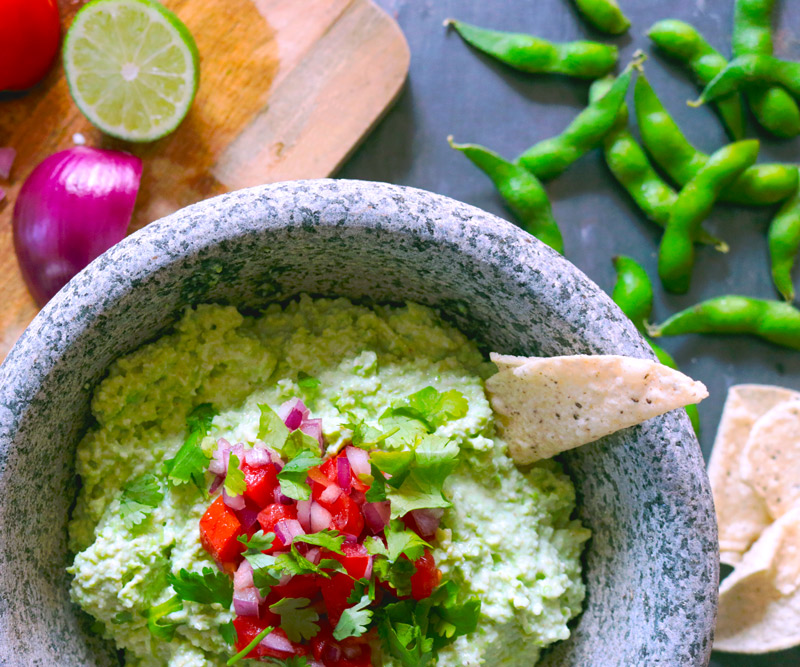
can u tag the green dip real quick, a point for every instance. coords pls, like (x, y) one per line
(508, 539)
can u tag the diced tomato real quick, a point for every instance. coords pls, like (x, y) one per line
(261, 483)
(299, 586)
(427, 577)
(346, 516)
(219, 529)
(354, 557)
(329, 469)
(247, 627)
(351, 652)
(270, 515)
(337, 589)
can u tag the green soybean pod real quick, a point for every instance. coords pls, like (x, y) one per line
(552, 157)
(685, 44)
(605, 15)
(676, 253)
(772, 106)
(583, 59)
(784, 243)
(521, 190)
(775, 321)
(748, 71)
(760, 185)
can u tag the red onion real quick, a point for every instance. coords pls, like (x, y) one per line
(247, 516)
(234, 502)
(277, 642)
(314, 554)
(280, 498)
(331, 494)
(245, 602)
(2, 194)
(293, 412)
(313, 429)
(7, 157)
(243, 577)
(351, 651)
(287, 529)
(74, 206)
(359, 460)
(368, 571)
(320, 518)
(219, 460)
(358, 497)
(332, 653)
(427, 520)
(304, 514)
(376, 515)
(258, 455)
(344, 473)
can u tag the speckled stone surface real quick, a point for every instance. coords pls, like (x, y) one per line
(651, 566)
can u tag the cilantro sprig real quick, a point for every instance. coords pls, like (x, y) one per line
(160, 629)
(354, 620)
(294, 474)
(139, 498)
(190, 463)
(298, 620)
(234, 481)
(207, 588)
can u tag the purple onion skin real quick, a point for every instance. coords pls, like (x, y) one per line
(73, 207)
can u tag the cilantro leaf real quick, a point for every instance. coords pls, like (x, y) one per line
(159, 629)
(122, 617)
(139, 498)
(396, 573)
(265, 573)
(436, 458)
(395, 464)
(376, 492)
(298, 620)
(260, 541)
(366, 436)
(298, 442)
(293, 475)
(271, 429)
(354, 620)
(404, 430)
(295, 563)
(375, 547)
(431, 407)
(228, 632)
(234, 480)
(246, 650)
(206, 588)
(305, 381)
(190, 463)
(416, 493)
(403, 640)
(400, 540)
(327, 539)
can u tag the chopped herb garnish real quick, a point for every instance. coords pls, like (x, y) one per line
(305, 381)
(366, 436)
(228, 632)
(190, 463)
(299, 442)
(294, 474)
(163, 630)
(246, 650)
(376, 493)
(298, 620)
(400, 540)
(139, 498)
(432, 407)
(234, 480)
(354, 620)
(327, 539)
(271, 429)
(206, 588)
(396, 573)
(122, 617)
(265, 573)
(260, 541)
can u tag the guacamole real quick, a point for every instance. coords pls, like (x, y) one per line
(508, 538)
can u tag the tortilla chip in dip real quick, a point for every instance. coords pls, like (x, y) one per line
(741, 512)
(759, 603)
(771, 459)
(549, 405)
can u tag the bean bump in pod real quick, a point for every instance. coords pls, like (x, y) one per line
(582, 59)
(605, 15)
(784, 242)
(676, 253)
(521, 190)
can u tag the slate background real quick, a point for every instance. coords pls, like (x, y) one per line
(454, 90)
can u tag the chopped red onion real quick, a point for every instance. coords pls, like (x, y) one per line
(247, 516)
(277, 494)
(215, 484)
(7, 157)
(359, 460)
(320, 518)
(344, 473)
(285, 579)
(427, 520)
(313, 429)
(293, 412)
(332, 653)
(351, 650)
(234, 502)
(314, 554)
(358, 497)
(377, 515)
(304, 514)
(245, 602)
(243, 577)
(350, 539)
(368, 571)
(219, 460)
(331, 494)
(277, 642)
(2, 194)
(257, 456)
(287, 529)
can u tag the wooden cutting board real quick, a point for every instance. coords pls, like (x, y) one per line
(288, 88)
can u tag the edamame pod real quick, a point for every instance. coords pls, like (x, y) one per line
(521, 190)
(551, 157)
(784, 242)
(748, 71)
(761, 184)
(685, 44)
(773, 107)
(605, 15)
(583, 59)
(676, 252)
(775, 321)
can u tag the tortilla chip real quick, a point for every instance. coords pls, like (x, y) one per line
(506, 362)
(549, 405)
(741, 512)
(759, 603)
(771, 458)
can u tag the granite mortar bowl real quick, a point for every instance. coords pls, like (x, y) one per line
(651, 566)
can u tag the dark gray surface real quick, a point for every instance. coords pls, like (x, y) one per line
(454, 90)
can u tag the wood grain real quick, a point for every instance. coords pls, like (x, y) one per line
(288, 89)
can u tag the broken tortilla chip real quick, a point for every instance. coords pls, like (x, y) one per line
(759, 603)
(771, 458)
(549, 405)
(741, 512)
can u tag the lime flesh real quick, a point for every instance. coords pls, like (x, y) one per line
(132, 67)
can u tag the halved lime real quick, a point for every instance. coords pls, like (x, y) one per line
(132, 67)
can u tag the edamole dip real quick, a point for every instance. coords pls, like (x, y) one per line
(363, 509)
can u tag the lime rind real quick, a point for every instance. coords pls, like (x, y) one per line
(132, 68)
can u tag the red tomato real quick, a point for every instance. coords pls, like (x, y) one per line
(261, 483)
(219, 529)
(324, 647)
(299, 586)
(270, 515)
(29, 35)
(426, 578)
(346, 516)
(246, 630)
(337, 589)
